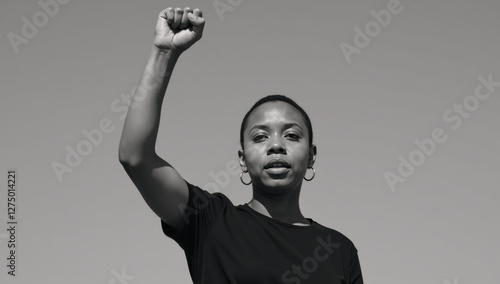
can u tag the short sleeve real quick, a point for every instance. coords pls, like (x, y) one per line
(355, 267)
(200, 214)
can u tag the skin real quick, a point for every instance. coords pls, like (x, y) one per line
(161, 186)
(277, 130)
(276, 196)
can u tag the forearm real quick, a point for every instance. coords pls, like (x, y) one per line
(143, 117)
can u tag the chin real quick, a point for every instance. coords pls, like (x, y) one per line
(277, 185)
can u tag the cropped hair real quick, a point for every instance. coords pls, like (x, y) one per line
(274, 98)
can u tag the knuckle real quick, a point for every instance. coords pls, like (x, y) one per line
(164, 12)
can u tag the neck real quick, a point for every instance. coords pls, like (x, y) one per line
(282, 207)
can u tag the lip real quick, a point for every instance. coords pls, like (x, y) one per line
(283, 164)
(277, 171)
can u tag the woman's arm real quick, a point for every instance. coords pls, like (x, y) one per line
(161, 186)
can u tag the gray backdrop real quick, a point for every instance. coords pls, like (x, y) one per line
(404, 109)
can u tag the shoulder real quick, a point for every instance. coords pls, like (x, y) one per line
(337, 237)
(198, 194)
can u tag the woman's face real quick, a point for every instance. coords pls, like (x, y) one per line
(276, 147)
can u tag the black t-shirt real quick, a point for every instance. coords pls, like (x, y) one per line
(224, 243)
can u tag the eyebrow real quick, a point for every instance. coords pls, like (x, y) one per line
(285, 126)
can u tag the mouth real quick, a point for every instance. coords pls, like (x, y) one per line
(277, 166)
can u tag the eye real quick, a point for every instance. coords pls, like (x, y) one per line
(292, 136)
(259, 137)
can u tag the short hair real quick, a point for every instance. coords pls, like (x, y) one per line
(274, 98)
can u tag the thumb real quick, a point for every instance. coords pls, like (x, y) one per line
(197, 22)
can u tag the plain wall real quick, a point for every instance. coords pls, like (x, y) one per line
(439, 225)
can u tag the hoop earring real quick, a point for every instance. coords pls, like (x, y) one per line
(241, 178)
(314, 174)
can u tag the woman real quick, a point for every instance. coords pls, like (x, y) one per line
(267, 240)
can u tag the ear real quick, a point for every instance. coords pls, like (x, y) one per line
(241, 157)
(312, 156)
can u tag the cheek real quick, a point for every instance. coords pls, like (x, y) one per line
(252, 156)
(301, 155)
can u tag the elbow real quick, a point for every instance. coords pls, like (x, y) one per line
(129, 163)
(126, 153)
(125, 157)
(133, 153)
(127, 160)
(130, 159)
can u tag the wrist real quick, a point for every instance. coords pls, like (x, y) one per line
(164, 54)
(161, 61)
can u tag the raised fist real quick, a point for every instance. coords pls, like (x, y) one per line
(177, 29)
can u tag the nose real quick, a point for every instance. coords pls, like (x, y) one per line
(276, 147)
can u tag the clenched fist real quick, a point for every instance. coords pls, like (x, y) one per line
(177, 29)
